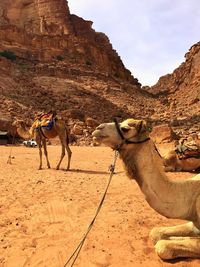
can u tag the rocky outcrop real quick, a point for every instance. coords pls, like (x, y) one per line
(163, 134)
(37, 16)
(45, 31)
(180, 92)
(182, 86)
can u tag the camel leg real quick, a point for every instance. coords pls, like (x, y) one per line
(69, 152)
(181, 247)
(183, 230)
(65, 144)
(45, 152)
(40, 154)
(62, 155)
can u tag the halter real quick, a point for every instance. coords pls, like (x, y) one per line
(124, 140)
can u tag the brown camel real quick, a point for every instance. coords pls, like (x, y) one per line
(173, 199)
(41, 134)
(172, 163)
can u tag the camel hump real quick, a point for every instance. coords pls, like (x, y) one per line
(46, 120)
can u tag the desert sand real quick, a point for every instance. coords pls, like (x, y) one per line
(44, 214)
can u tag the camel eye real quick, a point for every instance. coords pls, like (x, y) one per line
(125, 130)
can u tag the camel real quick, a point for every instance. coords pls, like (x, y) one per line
(41, 134)
(176, 199)
(172, 163)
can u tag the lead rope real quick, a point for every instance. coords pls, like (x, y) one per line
(77, 251)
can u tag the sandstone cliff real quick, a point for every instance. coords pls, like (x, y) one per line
(45, 30)
(180, 91)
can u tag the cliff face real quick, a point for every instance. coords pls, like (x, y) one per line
(180, 90)
(45, 30)
(37, 16)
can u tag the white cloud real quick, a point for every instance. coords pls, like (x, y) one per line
(150, 36)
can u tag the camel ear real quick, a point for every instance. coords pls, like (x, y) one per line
(142, 127)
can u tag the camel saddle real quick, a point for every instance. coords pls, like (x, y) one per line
(45, 120)
(188, 150)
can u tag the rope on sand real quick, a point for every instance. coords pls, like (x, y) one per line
(77, 251)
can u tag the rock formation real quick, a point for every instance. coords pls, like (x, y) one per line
(180, 91)
(45, 30)
(55, 60)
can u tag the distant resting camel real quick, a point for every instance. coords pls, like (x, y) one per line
(40, 134)
(173, 163)
(173, 199)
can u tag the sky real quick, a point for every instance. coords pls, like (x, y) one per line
(150, 36)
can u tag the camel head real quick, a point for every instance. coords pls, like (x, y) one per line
(133, 131)
(18, 123)
(22, 129)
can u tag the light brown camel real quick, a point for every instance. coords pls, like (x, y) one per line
(40, 134)
(172, 163)
(173, 199)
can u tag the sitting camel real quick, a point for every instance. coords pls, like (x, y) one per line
(41, 134)
(173, 163)
(185, 156)
(170, 198)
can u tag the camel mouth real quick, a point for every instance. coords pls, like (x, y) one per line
(98, 137)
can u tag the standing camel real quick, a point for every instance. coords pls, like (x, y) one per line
(172, 199)
(40, 134)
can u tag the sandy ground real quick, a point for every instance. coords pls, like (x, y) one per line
(44, 214)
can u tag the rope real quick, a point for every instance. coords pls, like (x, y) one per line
(9, 157)
(77, 251)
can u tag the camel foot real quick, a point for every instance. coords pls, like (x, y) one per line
(57, 168)
(163, 250)
(40, 168)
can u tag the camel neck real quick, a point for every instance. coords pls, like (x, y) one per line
(24, 133)
(143, 163)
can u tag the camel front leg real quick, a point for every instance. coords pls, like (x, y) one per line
(187, 247)
(182, 230)
(45, 152)
(40, 154)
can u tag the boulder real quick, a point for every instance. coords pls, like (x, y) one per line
(163, 134)
(90, 122)
(77, 129)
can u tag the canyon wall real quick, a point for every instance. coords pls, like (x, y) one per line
(45, 31)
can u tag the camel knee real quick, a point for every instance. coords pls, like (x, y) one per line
(156, 234)
(63, 154)
(163, 250)
(69, 152)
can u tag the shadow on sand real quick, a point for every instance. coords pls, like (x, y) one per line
(90, 171)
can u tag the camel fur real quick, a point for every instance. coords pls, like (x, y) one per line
(177, 199)
(41, 134)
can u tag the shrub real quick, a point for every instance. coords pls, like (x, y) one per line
(60, 58)
(8, 54)
(89, 63)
